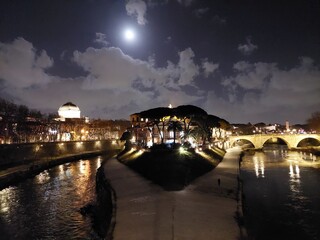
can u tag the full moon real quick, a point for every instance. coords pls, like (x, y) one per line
(129, 35)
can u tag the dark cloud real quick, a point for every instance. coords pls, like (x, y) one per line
(201, 11)
(185, 2)
(248, 47)
(101, 39)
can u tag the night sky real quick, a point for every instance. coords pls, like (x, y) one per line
(242, 60)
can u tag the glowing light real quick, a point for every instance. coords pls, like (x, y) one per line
(82, 166)
(259, 167)
(98, 162)
(129, 35)
(69, 110)
(43, 177)
(182, 150)
(6, 195)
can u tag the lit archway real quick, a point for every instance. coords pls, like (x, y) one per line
(309, 142)
(275, 141)
(243, 143)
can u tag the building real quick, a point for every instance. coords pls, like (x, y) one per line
(69, 110)
(184, 123)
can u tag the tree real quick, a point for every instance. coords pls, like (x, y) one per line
(126, 136)
(174, 126)
(188, 114)
(156, 116)
(314, 121)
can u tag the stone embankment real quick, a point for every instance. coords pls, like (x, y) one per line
(209, 208)
(18, 161)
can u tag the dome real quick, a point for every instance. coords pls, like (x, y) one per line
(69, 110)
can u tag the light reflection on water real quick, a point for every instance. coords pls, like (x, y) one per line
(282, 195)
(47, 205)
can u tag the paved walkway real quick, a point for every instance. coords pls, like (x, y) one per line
(204, 210)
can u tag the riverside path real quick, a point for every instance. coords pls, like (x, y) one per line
(203, 210)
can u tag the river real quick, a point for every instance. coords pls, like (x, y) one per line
(47, 205)
(281, 189)
(281, 194)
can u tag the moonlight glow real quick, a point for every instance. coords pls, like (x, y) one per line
(129, 35)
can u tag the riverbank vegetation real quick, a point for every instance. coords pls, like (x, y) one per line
(173, 169)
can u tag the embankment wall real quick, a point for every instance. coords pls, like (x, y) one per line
(17, 154)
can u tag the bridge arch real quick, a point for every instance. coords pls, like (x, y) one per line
(291, 140)
(274, 139)
(308, 142)
(244, 140)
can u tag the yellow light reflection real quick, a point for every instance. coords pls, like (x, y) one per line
(43, 177)
(294, 181)
(5, 199)
(294, 170)
(81, 183)
(82, 166)
(98, 162)
(125, 155)
(206, 156)
(258, 167)
(97, 144)
(61, 169)
(79, 144)
(137, 154)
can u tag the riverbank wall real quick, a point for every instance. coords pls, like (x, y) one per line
(18, 154)
(20, 161)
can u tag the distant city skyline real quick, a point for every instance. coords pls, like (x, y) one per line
(249, 61)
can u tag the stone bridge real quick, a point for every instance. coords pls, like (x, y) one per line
(258, 140)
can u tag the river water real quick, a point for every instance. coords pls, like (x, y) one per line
(281, 194)
(47, 205)
(281, 189)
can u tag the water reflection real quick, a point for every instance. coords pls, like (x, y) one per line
(258, 166)
(5, 196)
(281, 197)
(43, 177)
(99, 162)
(294, 171)
(47, 206)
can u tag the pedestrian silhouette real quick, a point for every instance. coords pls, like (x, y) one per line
(219, 182)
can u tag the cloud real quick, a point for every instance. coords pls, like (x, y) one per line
(185, 2)
(101, 39)
(114, 86)
(137, 8)
(22, 66)
(261, 90)
(138, 82)
(248, 47)
(218, 20)
(200, 12)
(299, 86)
(209, 67)
(251, 76)
(154, 3)
(188, 69)
(168, 39)
(110, 68)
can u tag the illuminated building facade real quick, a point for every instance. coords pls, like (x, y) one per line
(69, 110)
